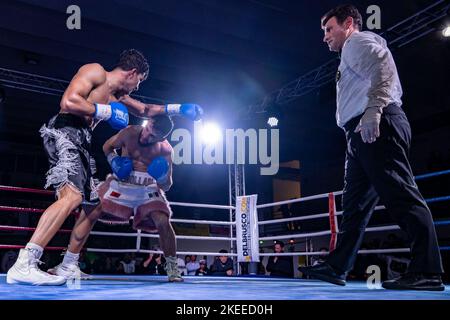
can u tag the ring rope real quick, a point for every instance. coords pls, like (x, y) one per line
(26, 190)
(433, 174)
(332, 214)
(14, 228)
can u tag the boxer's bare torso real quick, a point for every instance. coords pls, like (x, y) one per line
(90, 85)
(141, 155)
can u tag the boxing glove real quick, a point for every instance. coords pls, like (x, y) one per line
(159, 169)
(115, 113)
(188, 110)
(121, 166)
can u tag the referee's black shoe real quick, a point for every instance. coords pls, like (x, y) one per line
(415, 281)
(324, 272)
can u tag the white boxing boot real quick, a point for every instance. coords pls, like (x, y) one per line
(26, 271)
(69, 271)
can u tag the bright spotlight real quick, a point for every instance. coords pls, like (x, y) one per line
(210, 133)
(144, 123)
(272, 121)
(446, 32)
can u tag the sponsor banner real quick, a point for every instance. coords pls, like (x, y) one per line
(247, 234)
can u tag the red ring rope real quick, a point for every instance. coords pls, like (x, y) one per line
(333, 221)
(29, 190)
(14, 228)
(16, 246)
(17, 209)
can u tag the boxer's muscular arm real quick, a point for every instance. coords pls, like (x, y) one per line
(113, 143)
(140, 109)
(75, 97)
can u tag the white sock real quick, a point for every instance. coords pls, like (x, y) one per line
(70, 258)
(35, 249)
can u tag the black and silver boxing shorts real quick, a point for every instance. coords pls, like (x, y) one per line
(67, 142)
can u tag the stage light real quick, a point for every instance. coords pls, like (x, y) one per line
(446, 32)
(272, 121)
(210, 133)
(144, 123)
(274, 115)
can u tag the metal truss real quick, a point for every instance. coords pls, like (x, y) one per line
(236, 185)
(404, 32)
(45, 85)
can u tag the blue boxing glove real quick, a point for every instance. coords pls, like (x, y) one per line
(121, 166)
(189, 110)
(159, 169)
(115, 113)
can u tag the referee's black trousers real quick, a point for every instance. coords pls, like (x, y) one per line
(381, 171)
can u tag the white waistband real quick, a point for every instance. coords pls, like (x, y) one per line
(140, 178)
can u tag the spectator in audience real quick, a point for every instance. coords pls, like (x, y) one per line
(280, 266)
(154, 264)
(126, 265)
(222, 266)
(84, 264)
(287, 213)
(182, 266)
(103, 265)
(203, 270)
(109, 265)
(8, 259)
(192, 266)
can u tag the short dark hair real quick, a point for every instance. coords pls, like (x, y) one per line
(133, 59)
(162, 124)
(223, 251)
(341, 13)
(281, 243)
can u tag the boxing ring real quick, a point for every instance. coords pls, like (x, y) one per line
(151, 287)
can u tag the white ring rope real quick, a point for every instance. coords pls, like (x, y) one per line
(383, 228)
(197, 253)
(298, 235)
(325, 233)
(273, 204)
(318, 253)
(139, 235)
(202, 205)
(202, 221)
(146, 235)
(308, 217)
